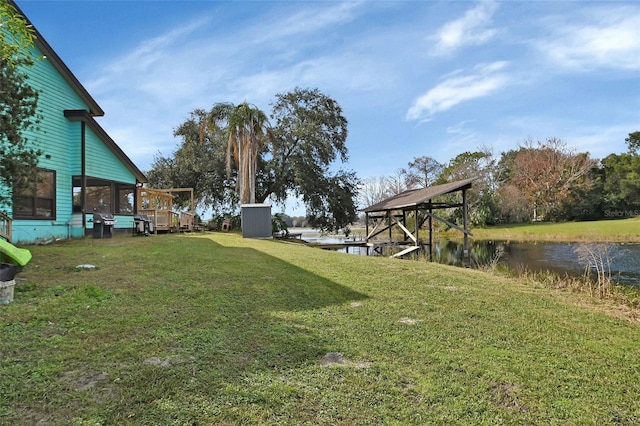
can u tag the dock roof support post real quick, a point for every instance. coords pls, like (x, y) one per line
(366, 226)
(404, 221)
(465, 220)
(417, 225)
(430, 232)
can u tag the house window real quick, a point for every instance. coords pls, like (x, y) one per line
(36, 198)
(99, 198)
(77, 197)
(103, 196)
(125, 199)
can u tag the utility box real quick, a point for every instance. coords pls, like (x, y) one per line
(256, 221)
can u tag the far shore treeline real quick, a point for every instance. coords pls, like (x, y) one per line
(234, 154)
(539, 181)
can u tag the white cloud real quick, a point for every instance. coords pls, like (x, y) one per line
(310, 20)
(610, 40)
(160, 79)
(363, 56)
(455, 90)
(350, 72)
(461, 135)
(470, 30)
(144, 58)
(258, 59)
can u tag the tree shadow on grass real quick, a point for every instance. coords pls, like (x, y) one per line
(257, 298)
(240, 314)
(161, 323)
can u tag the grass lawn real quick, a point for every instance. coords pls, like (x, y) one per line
(216, 329)
(620, 230)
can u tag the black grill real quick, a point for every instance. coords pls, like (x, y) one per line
(103, 225)
(104, 218)
(142, 225)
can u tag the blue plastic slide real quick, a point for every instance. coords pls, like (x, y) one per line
(20, 256)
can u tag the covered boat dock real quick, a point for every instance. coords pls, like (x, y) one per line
(392, 214)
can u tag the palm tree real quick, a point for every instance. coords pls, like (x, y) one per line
(247, 129)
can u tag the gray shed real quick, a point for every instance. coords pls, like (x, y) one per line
(256, 221)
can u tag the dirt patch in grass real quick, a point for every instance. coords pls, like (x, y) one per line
(81, 380)
(338, 359)
(505, 396)
(77, 388)
(408, 321)
(154, 360)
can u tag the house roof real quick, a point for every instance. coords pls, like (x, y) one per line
(82, 115)
(61, 67)
(415, 197)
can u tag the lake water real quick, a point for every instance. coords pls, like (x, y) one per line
(561, 258)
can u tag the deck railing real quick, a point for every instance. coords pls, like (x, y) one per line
(187, 221)
(162, 220)
(5, 226)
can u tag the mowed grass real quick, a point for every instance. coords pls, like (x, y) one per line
(619, 230)
(216, 329)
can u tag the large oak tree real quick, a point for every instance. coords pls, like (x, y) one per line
(423, 171)
(295, 156)
(479, 165)
(310, 134)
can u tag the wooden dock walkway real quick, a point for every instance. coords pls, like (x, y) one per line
(337, 246)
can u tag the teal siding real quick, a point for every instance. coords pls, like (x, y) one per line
(101, 162)
(61, 142)
(74, 147)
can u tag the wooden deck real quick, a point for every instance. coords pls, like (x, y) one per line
(157, 204)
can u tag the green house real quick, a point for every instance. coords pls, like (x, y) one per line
(81, 171)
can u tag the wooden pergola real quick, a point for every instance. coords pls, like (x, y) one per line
(393, 212)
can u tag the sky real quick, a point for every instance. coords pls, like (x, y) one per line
(414, 78)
